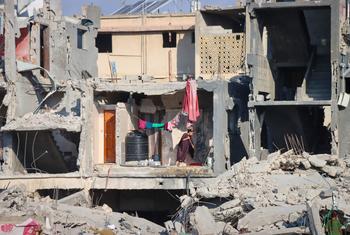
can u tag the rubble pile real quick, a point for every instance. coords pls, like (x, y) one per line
(285, 194)
(54, 217)
(281, 195)
(43, 121)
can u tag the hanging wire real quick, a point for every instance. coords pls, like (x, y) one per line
(36, 159)
(25, 151)
(33, 146)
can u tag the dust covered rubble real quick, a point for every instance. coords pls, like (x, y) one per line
(60, 218)
(268, 196)
(44, 121)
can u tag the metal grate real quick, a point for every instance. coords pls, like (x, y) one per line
(222, 54)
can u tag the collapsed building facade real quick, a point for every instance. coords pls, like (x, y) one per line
(66, 120)
(298, 69)
(263, 81)
(298, 66)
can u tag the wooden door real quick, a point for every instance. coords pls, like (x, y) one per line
(109, 136)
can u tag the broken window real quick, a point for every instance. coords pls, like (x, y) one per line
(81, 43)
(297, 128)
(104, 43)
(169, 39)
(50, 152)
(296, 52)
(44, 48)
(347, 85)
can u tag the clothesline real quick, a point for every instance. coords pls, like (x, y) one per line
(190, 108)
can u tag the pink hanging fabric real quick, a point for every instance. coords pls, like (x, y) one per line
(169, 126)
(190, 101)
(142, 124)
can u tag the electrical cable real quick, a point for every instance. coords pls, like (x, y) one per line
(25, 151)
(33, 152)
(36, 159)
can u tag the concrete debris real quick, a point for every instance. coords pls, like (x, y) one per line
(225, 228)
(260, 217)
(60, 218)
(317, 162)
(44, 121)
(203, 222)
(77, 199)
(271, 196)
(186, 201)
(313, 212)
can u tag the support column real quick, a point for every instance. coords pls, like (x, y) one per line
(220, 132)
(10, 44)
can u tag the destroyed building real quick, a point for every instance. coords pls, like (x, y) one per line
(68, 120)
(79, 92)
(299, 68)
(296, 69)
(45, 90)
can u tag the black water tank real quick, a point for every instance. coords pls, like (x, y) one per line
(136, 146)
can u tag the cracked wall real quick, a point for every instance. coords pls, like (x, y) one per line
(48, 91)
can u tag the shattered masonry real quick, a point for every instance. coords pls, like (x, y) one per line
(271, 143)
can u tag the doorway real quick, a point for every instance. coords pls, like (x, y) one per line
(109, 136)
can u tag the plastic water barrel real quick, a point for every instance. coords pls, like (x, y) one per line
(136, 146)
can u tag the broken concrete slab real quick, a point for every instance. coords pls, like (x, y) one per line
(45, 121)
(266, 216)
(203, 221)
(225, 228)
(317, 162)
(311, 179)
(77, 199)
(306, 164)
(230, 204)
(284, 231)
(332, 171)
(313, 213)
(228, 214)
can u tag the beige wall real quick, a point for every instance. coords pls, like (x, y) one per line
(141, 52)
(137, 54)
(137, 23)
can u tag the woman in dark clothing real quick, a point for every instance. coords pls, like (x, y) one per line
(185, 150)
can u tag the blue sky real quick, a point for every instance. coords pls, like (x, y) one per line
(71, 7)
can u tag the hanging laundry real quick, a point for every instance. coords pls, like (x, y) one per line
(169, 126)
(158, 125)
(148, 125)
(142, 124)
(190, 102)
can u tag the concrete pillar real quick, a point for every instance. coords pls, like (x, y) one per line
(12, 164)
(254, 133)
(10, 45)
(86, 136)
(220, 132)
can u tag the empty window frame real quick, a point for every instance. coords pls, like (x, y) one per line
(44, 48)
(347, 85)
(81, 39)
(104, 43)
(169, 39)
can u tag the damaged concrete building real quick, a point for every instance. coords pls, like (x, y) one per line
(45, 90)
(78, 94)
(66, 121)
(296, 69)
(298, 65)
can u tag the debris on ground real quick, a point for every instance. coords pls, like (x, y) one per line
(55, 217)
(287, 193)
(284, 194)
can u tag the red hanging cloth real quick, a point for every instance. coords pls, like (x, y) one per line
(190, 102)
